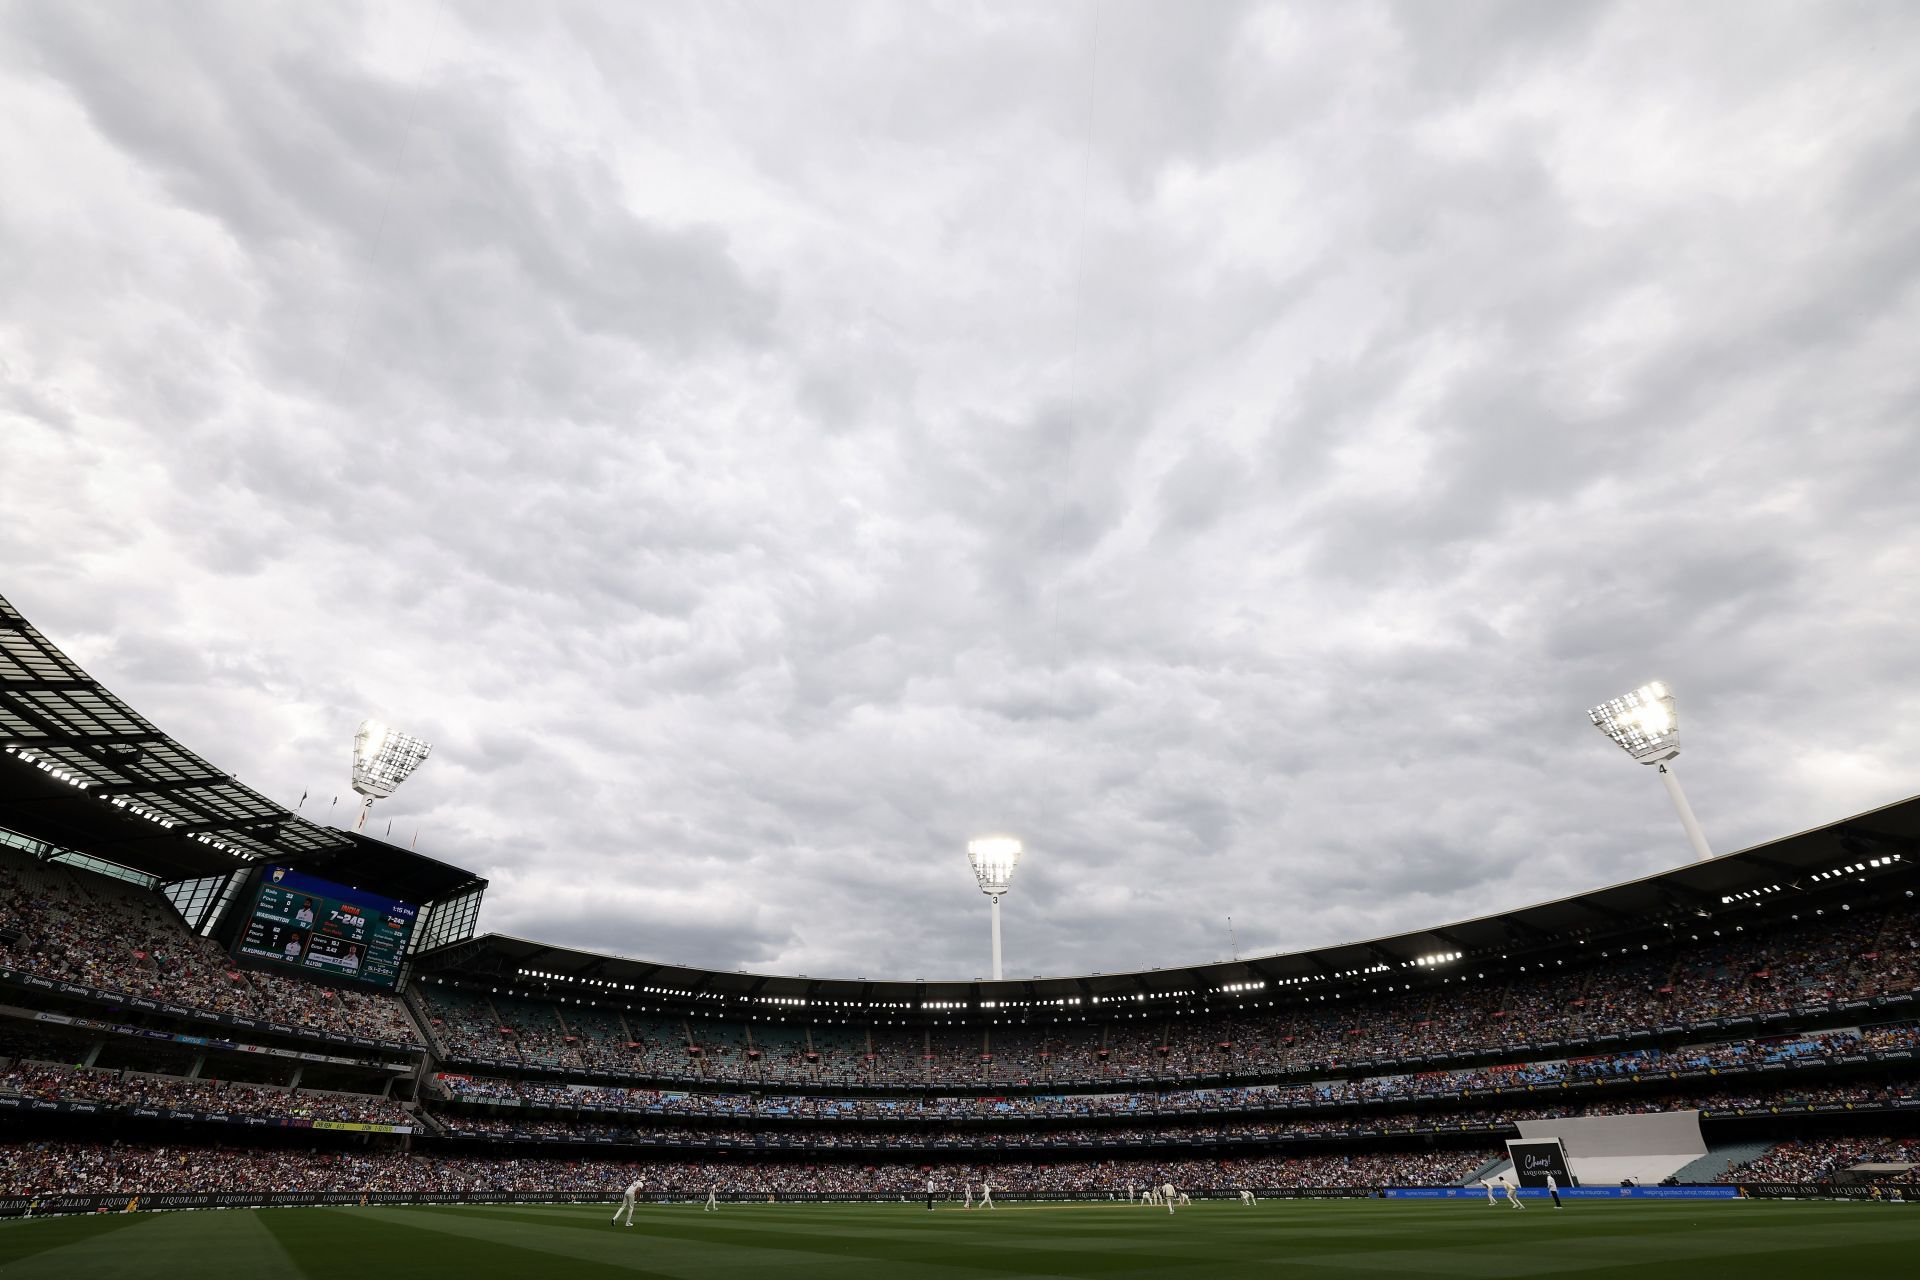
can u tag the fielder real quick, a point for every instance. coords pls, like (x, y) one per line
(1246, 1197)
(1488, 1184)
(986, 1194)
(713, 1201)
(967, 1186)
(1513, 1193)
(1167, 1193)
(634, 1188)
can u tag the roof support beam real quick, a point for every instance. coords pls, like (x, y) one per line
(172, 784)
(91, 742)
(1883, 839)
(230, 827)
(58, 738)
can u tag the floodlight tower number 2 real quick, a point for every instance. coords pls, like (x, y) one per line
(383, 758)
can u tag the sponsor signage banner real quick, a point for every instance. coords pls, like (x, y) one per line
(16, 1206)
(1808, 1191)
(1570, 1193)
(9, 1103)
(1534, 1161)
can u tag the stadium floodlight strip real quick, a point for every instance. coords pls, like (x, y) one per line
(49, 766)
(34, 757)
(564, 977)
(1855, 868)
(1438, 957)
(1062, 1002)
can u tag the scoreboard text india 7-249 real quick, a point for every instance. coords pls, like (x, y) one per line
(317, 926)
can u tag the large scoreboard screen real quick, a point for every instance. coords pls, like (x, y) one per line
(319, 927)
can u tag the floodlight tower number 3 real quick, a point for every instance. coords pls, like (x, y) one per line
(993, 859)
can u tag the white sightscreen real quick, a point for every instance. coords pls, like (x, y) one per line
(1601, 1150)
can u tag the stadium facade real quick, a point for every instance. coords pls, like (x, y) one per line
(187, 965)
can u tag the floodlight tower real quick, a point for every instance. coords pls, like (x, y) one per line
(383, 758)
(993, 859)
(1647, 727)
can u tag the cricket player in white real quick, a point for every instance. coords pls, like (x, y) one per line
(1488, 1184)
(1129, 1193)
(967, 1186)
(713, 1201)
(1167, 1194)
(626, 1201)
(1246, 1197)
(986, 1194)
(1513, 1193)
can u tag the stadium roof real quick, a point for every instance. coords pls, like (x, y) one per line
(81, 769)
(1881, 847)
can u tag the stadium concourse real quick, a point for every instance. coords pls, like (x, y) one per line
(207, 999)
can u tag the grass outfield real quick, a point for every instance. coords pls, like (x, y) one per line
(1648, 1240)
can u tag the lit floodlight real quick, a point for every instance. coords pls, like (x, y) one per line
(1646, 726)
(993, 859)
(1643, 723)
(383, 758)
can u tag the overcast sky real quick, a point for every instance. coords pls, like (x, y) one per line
(762, 445)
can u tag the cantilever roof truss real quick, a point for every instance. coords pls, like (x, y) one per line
(58, 719)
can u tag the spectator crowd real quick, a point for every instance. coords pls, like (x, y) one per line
(133, 1089)
(75, 1168)
(1632, 992)
(94, 931)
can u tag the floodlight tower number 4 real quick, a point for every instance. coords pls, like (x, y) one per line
(1646, 726)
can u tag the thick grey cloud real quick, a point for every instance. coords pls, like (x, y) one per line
(1228, 446)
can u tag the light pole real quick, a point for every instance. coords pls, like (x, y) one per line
(1647, 728)
(383, 758)
(993, 859)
